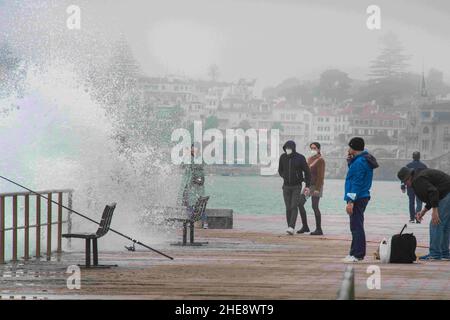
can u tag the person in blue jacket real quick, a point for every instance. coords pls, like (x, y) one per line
(415, 205)
(357, 194)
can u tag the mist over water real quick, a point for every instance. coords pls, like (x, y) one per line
(61, 130)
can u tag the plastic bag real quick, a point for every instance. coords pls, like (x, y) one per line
(385, 250)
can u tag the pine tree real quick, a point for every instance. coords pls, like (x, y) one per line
(391, 63)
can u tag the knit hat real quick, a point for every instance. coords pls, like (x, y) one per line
(356, 144)
(404, 174)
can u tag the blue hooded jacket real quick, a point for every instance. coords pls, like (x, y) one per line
(359, 176)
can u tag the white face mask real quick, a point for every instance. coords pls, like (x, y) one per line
(313, 152)
(288, 151)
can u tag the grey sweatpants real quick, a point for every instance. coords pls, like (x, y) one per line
(291, 197)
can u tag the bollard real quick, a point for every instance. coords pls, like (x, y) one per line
(347, 289)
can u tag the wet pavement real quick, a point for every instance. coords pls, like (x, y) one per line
(256, 260)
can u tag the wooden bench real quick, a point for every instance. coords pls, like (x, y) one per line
(101, 231)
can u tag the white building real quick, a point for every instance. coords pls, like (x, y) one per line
(324, 127)
(296, 124)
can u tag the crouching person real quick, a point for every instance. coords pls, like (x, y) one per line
(433, 188)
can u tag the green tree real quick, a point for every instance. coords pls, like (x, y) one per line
(391, 62)
(386, 91)
(334, 84)
(213, 72)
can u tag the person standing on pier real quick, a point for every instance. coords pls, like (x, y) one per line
(294, 170)
(316, 164)
(432, 187)
(415, 205)
(357, 194)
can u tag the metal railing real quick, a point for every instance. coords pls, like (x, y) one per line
(347, 289)
(14, 215)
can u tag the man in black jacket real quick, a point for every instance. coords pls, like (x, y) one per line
(415, 205)
(432, 187)
(294, 169)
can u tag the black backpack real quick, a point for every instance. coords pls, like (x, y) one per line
(403, 248)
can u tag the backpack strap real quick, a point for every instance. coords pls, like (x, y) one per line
(404, 227)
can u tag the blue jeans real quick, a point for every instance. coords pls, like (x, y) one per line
(415, 205)
(358, 247)
(439, 234)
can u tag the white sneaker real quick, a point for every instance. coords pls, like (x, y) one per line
(350, 259)
(205, 226)
(290, 231)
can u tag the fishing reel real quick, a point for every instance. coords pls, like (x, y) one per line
(131, 248)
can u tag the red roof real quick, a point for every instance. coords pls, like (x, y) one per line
(380, 116)
(372, 112)
(280, 104)
(346, 110)
(325, 113)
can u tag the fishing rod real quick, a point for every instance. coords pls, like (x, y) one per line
(87, 218)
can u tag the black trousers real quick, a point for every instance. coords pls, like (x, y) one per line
(291, 197)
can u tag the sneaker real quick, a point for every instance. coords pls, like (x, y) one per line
(205, 226)
(351, 259)
(303, 230)
(417, 221)
(428, 257)
(412, 221)
(317, 232)
(446, 258)
(290, 231)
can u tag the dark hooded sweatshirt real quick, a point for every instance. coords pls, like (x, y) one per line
(293, 168)
(430, 186)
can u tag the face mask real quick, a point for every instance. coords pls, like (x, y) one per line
(313, 152)
(288, 151)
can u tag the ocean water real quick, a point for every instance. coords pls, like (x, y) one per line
(263, 195)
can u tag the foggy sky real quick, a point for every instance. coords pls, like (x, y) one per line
(266, 40)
